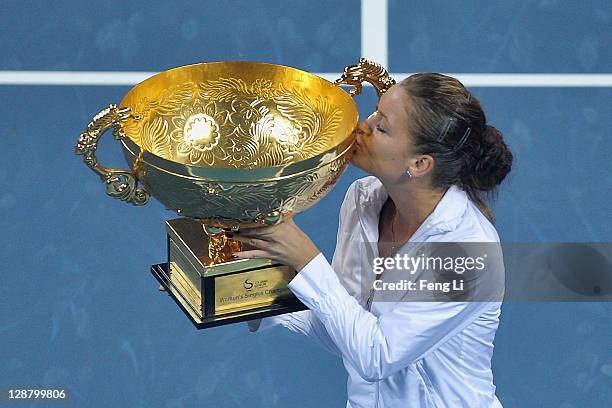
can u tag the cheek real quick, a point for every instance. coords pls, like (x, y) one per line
(385, 151)
(391, 164)
(391, 161)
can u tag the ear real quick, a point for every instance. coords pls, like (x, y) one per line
(422, 165)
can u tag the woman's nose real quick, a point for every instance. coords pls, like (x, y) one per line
(364, 127)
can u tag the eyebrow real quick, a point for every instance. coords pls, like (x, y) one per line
(381, 114)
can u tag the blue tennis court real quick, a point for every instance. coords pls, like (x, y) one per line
(79, 309)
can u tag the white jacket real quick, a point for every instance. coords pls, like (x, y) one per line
(403, 354)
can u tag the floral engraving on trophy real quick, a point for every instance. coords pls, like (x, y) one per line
(271, 125)
(197, 133)
(201, 131)
(145, 111)
(229, 123)
(154, 137)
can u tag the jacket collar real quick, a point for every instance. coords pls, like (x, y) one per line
(447, 215)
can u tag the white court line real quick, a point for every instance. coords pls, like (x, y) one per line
(72, 77)
(515, 80)
(110, 78)
(374, 31)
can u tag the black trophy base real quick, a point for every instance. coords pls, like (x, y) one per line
(160, 271)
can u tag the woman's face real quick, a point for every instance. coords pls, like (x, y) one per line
(383, 144)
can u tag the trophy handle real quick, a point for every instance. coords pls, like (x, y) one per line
(366, 71)
(120, 184)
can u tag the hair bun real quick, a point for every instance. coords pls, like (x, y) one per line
(493, 161)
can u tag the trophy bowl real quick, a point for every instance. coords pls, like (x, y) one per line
(228, 145)
(234, 144)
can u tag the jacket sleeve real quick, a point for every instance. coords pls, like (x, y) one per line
(377, 347)
(304, 322)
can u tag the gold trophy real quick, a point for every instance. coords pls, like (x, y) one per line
(229, 145)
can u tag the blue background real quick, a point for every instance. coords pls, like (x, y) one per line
(78, 306)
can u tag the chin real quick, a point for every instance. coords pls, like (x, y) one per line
(354, 158)
(361, 164)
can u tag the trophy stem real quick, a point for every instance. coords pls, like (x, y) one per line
(220, 247)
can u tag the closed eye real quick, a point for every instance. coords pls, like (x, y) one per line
(381, 130)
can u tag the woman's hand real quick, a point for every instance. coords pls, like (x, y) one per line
(285, 243)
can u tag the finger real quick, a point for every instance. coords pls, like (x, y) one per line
(246, 234)
(256, 253)
(256, 242)
(268, 237)
(261, 231)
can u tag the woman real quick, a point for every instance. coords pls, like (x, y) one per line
(430, 154)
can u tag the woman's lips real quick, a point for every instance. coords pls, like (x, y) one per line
(358, 145)
(359, 134)
(361, 145)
